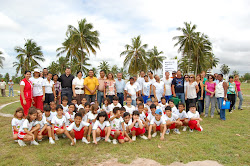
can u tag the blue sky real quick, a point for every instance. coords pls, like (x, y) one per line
(225, 22)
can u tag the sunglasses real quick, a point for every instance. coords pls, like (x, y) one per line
(191, 77)
(186, 77)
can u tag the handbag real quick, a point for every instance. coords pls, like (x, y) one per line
(176, 100)
(226, 106)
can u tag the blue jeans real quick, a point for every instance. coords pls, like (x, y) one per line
(100, 97)
(121, 98)
(222, 111)
(90, 98)
(11, 91)
(200, 106)
(134, 103)
(67, 92)
(181, 96)
(241, 100)
(167, 98)
(145, 98)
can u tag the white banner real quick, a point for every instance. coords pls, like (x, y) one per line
(169, 65)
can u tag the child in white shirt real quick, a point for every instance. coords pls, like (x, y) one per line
(117, 124)
(194, 118)
(172, 121)
(70, 115)
(17, 122)
(84, 101)
(173, 107)
(129, 107)
(163, 104)
(142, 116)
(183, 116)
(53, 109)
(47, 114)
(74, 101)
(106, 107)
(65, 104)
(126, 118)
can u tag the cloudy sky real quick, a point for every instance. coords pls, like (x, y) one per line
(226, 22)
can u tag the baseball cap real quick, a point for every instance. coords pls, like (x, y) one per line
(36, 70)
(158, 111)
(149, 99)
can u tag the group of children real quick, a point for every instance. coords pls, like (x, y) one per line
(123, 124)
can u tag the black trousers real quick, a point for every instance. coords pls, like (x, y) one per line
(49, 97)
(231, 98)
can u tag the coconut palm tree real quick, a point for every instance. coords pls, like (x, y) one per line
(1, 60)
(124, 72)
(104, 65)
(63, 63)
(77, 64)
(224, 69)
(136, 58)
(53, 68)
(82, 38)
(154, 59)
(31, 54)
(186, 41)
(114, 70)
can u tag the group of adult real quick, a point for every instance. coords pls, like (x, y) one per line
(44, 87)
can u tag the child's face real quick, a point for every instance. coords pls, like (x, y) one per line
(138, 102)
(64, 102)
(87, 109)
(192, 109)
(168, 113)
(156, 102)
(122, 112)
(149, 103)
(39, 114)
(153, 111)
(53, 106)
(47, 113)
(126, 119)
(95, 111)
(71, 108)
(59, 111)
(157, 117)
(181, 108)
(101, 118)
(163, 101)
(78, 120)
(140, 109)
(135, 116)
(19, 114)
(74, 101)
(33, 116)
(129, 100)
(106, 102)
(118, 113)
(115, 102)
(84, 101)
(171, 104)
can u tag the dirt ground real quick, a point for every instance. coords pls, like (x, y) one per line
(148, 162)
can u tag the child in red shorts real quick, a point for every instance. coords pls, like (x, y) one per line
(194, 118)
(117, 123)
(172, 121)
(17, 122)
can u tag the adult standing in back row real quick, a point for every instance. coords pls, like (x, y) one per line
(91, 84)
(152, 80)
(178, 87)
(66, 83)
(78, 87)
(168, 82)
(120, 85)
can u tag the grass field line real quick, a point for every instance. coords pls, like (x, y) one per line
(4, 105)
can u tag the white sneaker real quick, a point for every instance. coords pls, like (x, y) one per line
(184, 128)
(84, 140)
(168, 131)
(191, 130)
(51, 141)
(201, 128)
(176, 131)
(98, 139)
(56, 137)
(114, 141)
(40, 140)
(133, 138)
(34, 143)
(154, 134)
(144, 137)
(21, 143)
(75, 140)
(108, 140)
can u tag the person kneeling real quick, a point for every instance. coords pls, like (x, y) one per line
(172, 121)
(194, 118)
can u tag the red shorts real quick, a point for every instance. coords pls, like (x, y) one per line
(15, 132)
(138, 131)
(158, 128)
(102, 134)
(109, 115)
(79, 134)
(172, 126)
(43, 133)
(113, 134)
(21, 135)
(55, 128)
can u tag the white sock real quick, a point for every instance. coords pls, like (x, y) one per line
(50, 138)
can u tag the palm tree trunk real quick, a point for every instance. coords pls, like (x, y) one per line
(81, 60)
(196, 65)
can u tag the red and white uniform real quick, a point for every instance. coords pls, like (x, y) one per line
(173, 117)
(42, 123)
(18, 123)
(65, 109)
(107, 109)
(157, 122)
(142, 117)
(136, 128)
(91, 117)
(26, 125)
(130, 109)
(27, 91)
(69, 116)
(101, 126)
(116, 124)
(79, 131)
(193, 123)
(174, 110)
(182, 115)
(58, 122)
(37, 92)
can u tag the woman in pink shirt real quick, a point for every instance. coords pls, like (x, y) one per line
(210, 95)
(240, 94)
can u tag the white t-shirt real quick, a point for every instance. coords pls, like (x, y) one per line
(73, 126)
(136, 124)
(193, 115)
(58, 123)
(53, 114)
(162, 106)
(159, 89)
(116, 124)
(48, 86)
(42, 122)
(16, 122)
(191, 90)
(3, 84)
(37, 86)
(48, 118)
(107, 109)
(174, 110)
(78, 84)
(138, 86)
(158, 123)
(80, 106)
(85, 118)
(131, 89)
(173, 117)
(91, 116)
(168, 84)
(101, 126)
(182, 115)
(140, 80)
(27, 125)
(112, 106)
(152, 82)
(146, 88)
(125, 125)
(150, 116)
(65, 109)
(130, 109)
(148, 107)
(142, 116)
(69, 116)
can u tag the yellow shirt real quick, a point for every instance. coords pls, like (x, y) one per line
(91, 83)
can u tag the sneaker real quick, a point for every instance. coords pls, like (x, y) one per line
(108, 140)
(133, 138)
(114, 141)
(205, 116)
(75, 140)
(184, 128)
(168, 131)
(176, 131)
(191, 130)
(201, 128)
(154, 134)
(84, 140)
(21, 143)
(51, 141)
(64, 136)
(56, 137)
(143, 137)
(34, 143)
(212, 116)
(98, 139)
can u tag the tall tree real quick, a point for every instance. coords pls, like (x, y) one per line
(63, 63)
(235, 72)
(30, 55)
(154, 59)
(124, 72)
(186, 41)
(224, 69)
(7, 77)
(1, 60)
(104, 65)
(136, 58)
(114, 70)
(53, 68)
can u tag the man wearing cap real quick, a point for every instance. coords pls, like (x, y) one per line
(38, 89)
(131, 90)
(11, 83)
(3, 87)
(120, 85)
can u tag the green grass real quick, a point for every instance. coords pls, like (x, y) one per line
(217, 142)
(10, 109)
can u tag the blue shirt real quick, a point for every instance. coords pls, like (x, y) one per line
(120, 85)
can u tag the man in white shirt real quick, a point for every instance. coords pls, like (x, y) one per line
(131, 90)
(138, 85)
(158, 88)
(3, 87)
(152, 80)
(168, 83)
(140, 79)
